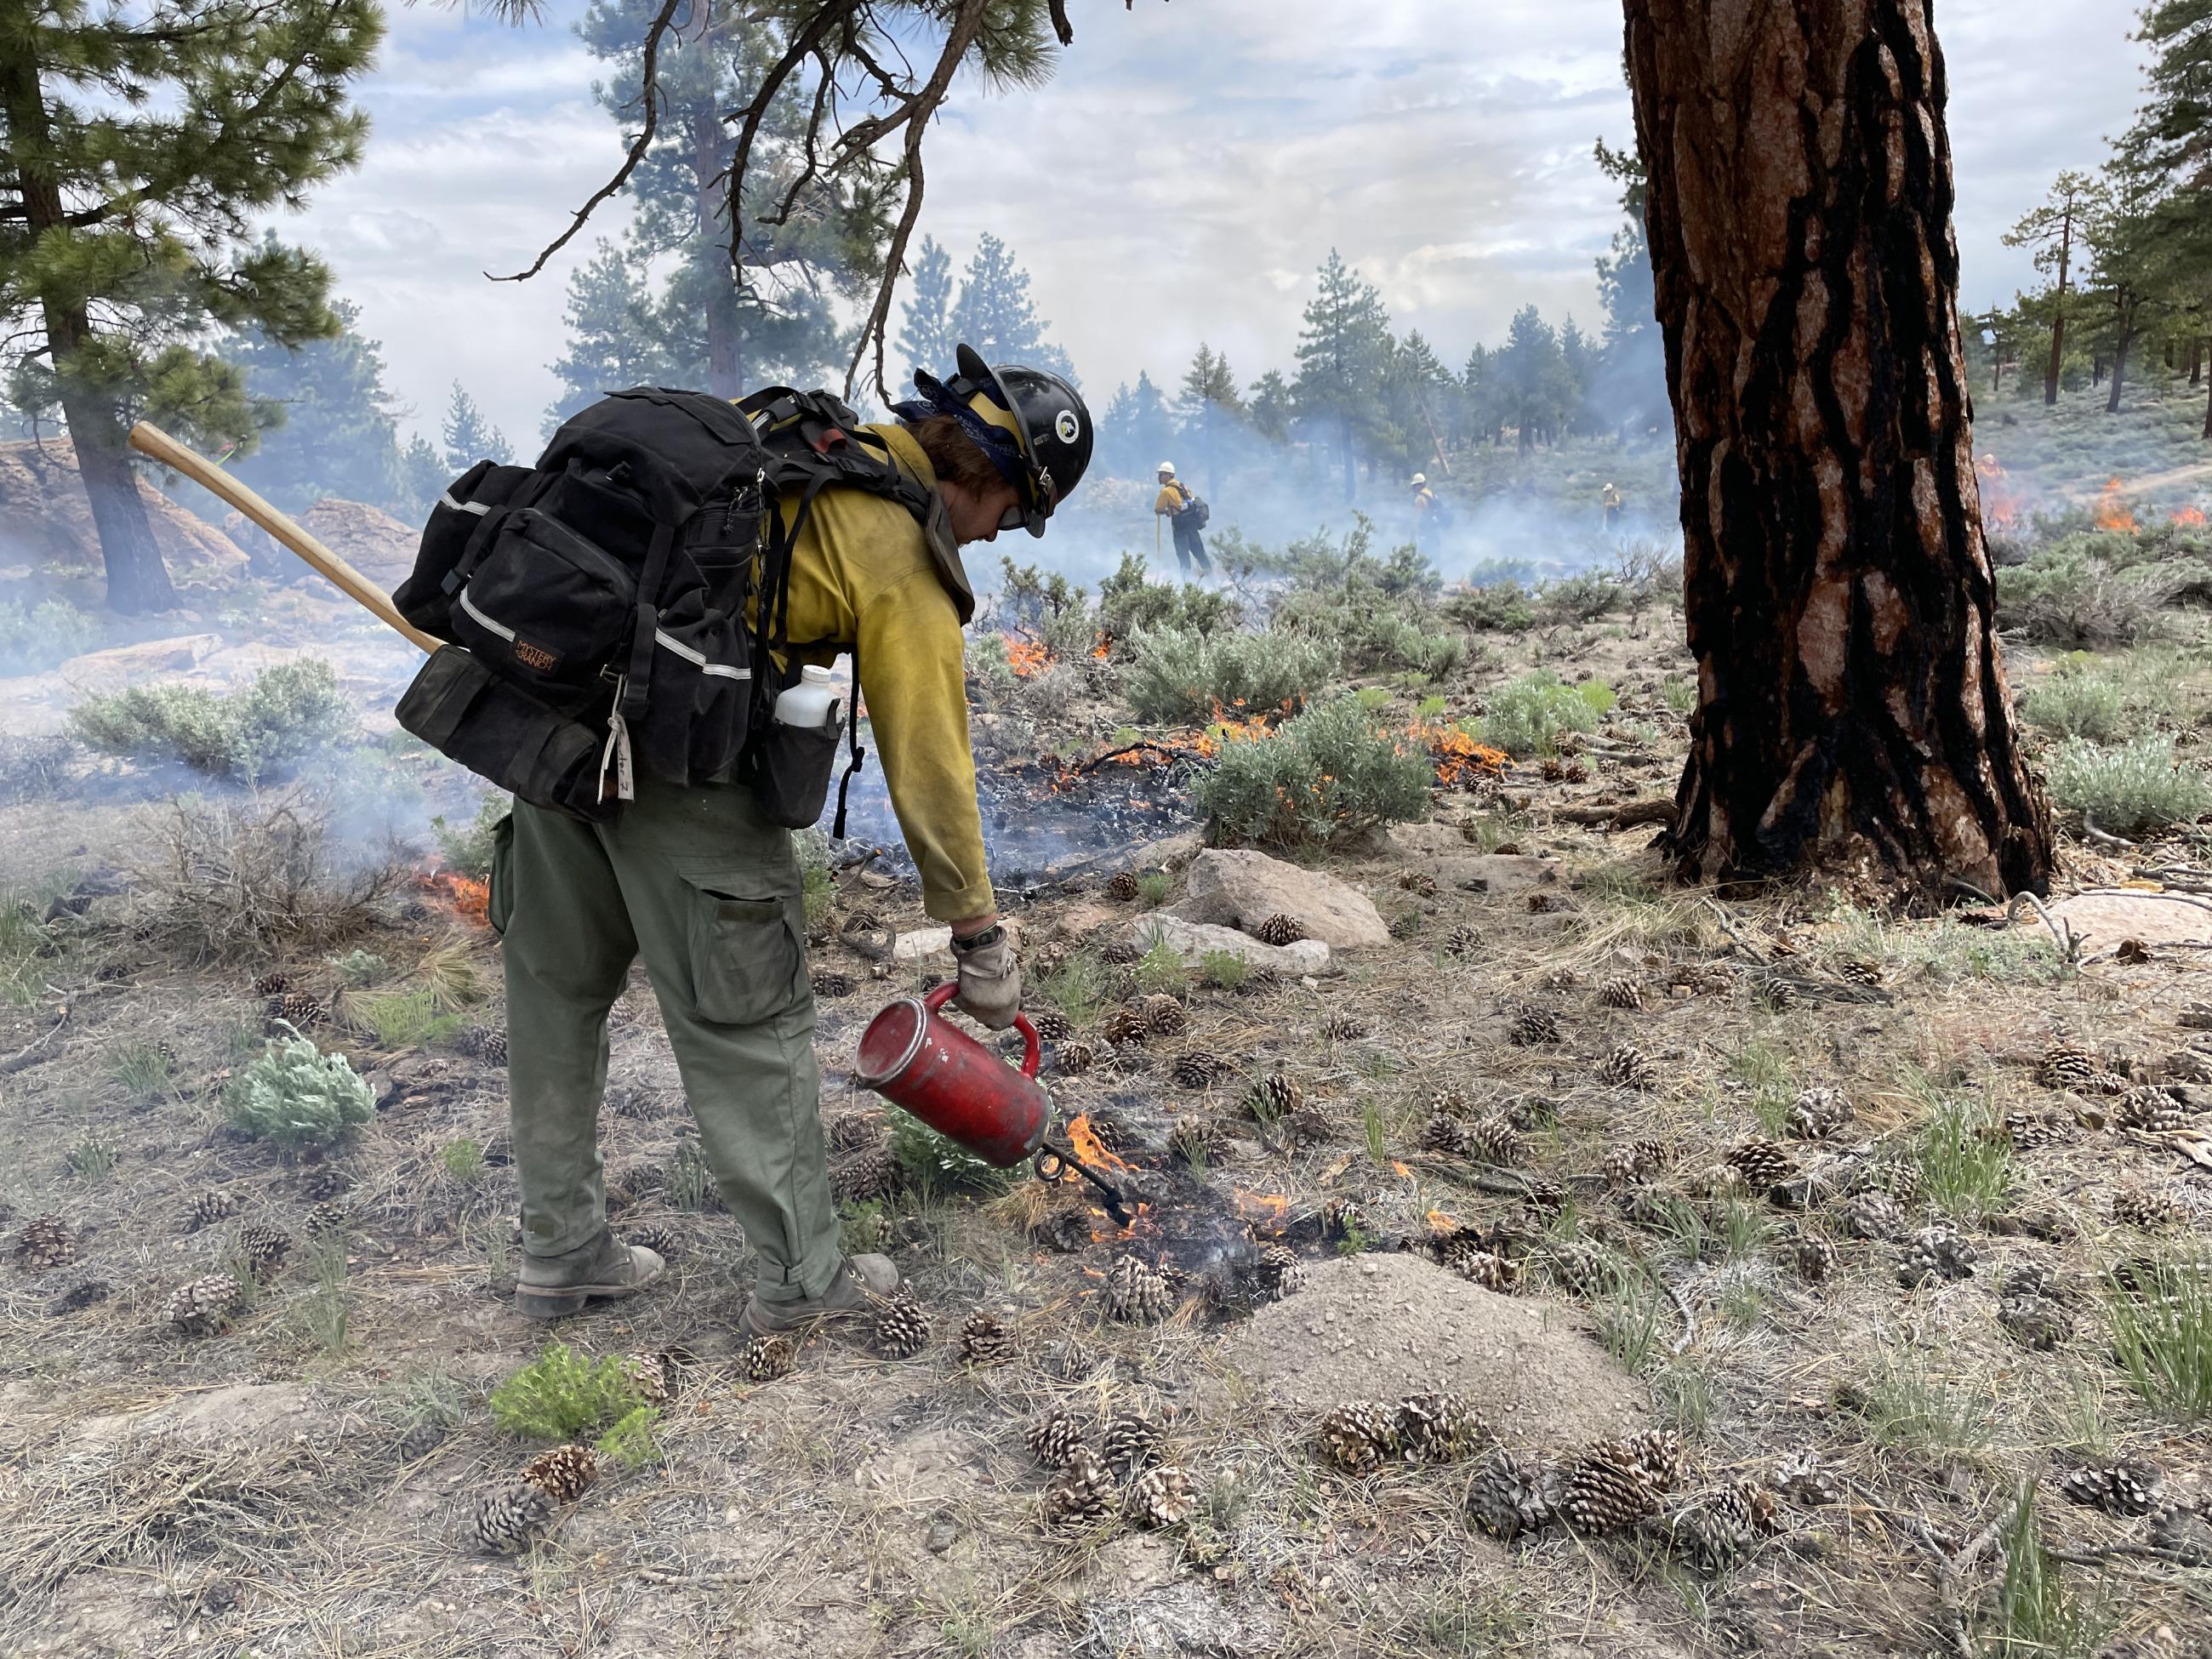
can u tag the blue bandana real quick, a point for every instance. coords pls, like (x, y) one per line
(1001, 445)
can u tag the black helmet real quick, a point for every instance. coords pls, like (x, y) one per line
(1046, 415)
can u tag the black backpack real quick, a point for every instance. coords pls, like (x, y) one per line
(596, 602)
(1194, 511)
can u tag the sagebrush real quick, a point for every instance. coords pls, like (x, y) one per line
(1326, 776)
(291, 713)
(297, 1095)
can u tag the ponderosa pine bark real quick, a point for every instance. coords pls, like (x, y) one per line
(1853, 708)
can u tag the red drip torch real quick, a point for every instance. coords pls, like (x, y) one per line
(917, 1060)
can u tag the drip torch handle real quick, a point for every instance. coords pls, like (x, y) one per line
(1032, 1052)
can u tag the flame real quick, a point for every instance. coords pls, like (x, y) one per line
(1439, 1222)
(1403, 1173)
(1025, 657)
(2000, 500)
(2191, 516)
(2112, 512)
(464, 896)
(1272, 1209)
(1102, 649)
(1460, 761)
(1083, 1142)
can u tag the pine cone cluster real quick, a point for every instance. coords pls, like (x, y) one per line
(649, 1371)
(1137, 1293)
(265, 1250)
(1438, 1427)
(1621, 991)
(1125, 1025)
(1055, 1438)
(2149, 1106)
(295, 1008)
(2032, 1310)
(768, 1358)
(1160, 1498)
(1466, 1253)
(1493, 1139)
(208, 1208)
(203, 1306)
(1657, 1454)
(1819, 1113)
(485, 1042)
(1627, 1067)
(1129, 1442)
(2129, 1486)
(1083, 1493)
(1065, 1229)
(860, 1177)
(1273, 1095)
(1516, 1493)
(1543, 901)
(2027, 1130)
(1872, 1214)
(1122, 887)
(1628, 1161)
(1765, 1163)
(563, 1474)
(1279, 1272)
(1580, 1268)
(1532, 1027)
(828, 984)
(985, 1341)
(1356, 1436)
(1279, 930)
(273, 983)
(44, 1242)
(2147, 1207)
(1936, 1251)
(1445, 1134)
(508, 1520)
(902, 1326)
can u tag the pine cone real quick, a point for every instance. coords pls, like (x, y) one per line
(1463, 1254)
(1197, 1142)
(902, 1326)
(2067, 1065)
(1542, 901)
(1279, 1272)
(863, 1176)
(1799, 1478)
(649, 1371)
(1873, 1215)
(661, 1239)
(2150, 1108)
(1196, 1071)
(767, 1357)
(1053, 1439)
(1419, 882)
(44, 1242)
(1356, 1436)
(828, 984)
(203, 1306)
(295, 1008)
(1340, 1218)
(2031, 1316)
(1163, 1015)
(274, 983)
(324, 1181)
(1815, 1257)
(1857, 970)
(2147, 1207)
(1532, 1026)
(1273, 1095)
(1716, 1530)
(1129, 1442)
(1516, 1493)
(1601, 1496)
(1937, 1251)
(1816, 1114)
(1066, 1230)
(1541, 1197)
(1493, 1140)
(1627, 1067)
(325, 1220)
(1656, 1455)
(1278, 930)
(508, 1520)
(1050, 1024)
(1083, 1493)
(208, 1208)
(2129, 1488)
(1440, 1427)
(1579, 1268)
(1765, 1164)
(485, 1042)
(1122, 887)
(1137, 1293)
(1118, 953)
(2028, 1130)
(563, 1474)
(984, 1340)
(1462, 941)
(2186, 1531)
(265, 1249)
(1074, 1057)
(1621, 991)
(1632, 1161)
(1125, 1025)
(1160, 1498)
(1445, 1134)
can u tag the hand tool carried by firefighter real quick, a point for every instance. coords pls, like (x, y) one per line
(917, 1060)
(149, 439)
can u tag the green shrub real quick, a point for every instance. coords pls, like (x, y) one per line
(1154, 888)
(1964, 1159)
(39, 636)
(1581, 599)
(1527, 716)
(1160, 971)
(1679, 693)
(631, 1443)
(298, 1096)
(816, 886)
(1502, 608)
(1223, 970)
(938, 1165)
(2129, 790)
(467, 847)
(1327, 775)
(1130, 604)
(1182, 676)
(2072, 598)
(2078, 706)
(1077, 987)
(562, 1395)
(291, 713)
(2037, 1613)
(407, 1019)
(463, 1160)
(358, 969)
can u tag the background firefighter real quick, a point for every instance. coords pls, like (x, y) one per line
(696, 882)
(1178, 504)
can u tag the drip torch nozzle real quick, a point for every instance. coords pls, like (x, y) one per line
(1052, 1163)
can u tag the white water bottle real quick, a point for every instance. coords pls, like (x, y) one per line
(812, 703)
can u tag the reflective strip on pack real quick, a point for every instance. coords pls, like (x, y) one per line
(445, 499)
(499, 628)
(698, 659)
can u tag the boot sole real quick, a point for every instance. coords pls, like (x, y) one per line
(559, 1304)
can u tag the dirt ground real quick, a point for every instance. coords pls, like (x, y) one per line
(302, 1483)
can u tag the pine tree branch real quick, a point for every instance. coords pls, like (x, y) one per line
(651, 96)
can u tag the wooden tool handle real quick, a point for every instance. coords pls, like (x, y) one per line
(149, 439)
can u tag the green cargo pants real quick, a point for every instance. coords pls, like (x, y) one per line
(710, 894)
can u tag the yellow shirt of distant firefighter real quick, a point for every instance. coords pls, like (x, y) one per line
(1172, 499)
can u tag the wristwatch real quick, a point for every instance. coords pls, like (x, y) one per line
(983, 940)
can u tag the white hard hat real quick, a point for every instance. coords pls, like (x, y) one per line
(1420, 478)
(1168, 467)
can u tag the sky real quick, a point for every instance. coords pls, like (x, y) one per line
(1179, 181)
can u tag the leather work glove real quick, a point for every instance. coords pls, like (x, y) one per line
(990, 990)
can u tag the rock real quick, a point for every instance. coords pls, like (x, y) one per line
(1192, 940)
(123, 665)
(367, 537)
(1242, 889)
(1440, 849)
(50, 517)
(2104, 919)
(923, 945)
(1376, 1326)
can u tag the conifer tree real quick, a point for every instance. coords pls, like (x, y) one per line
(615, 340)
(139, 144)
(2057, 230)
(995, 314)
(1211, 406)
(926, 342)
(1341, 352)
(337, 434)
(468, 437)
(1270, 407)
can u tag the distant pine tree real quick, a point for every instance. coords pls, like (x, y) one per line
(926, 341)
(995, 314)
(468, 437)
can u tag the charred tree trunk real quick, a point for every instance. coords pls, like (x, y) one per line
(1852, 706)
(2122, 342)
(2196, 359)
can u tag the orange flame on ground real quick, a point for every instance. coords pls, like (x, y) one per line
(1103, 649)
(1439, 1222)
(2112, 512)
(1083, 1142)
(1404, 1173)
(2000, 501)
(1273, 1209)
(2192, 516)
(1025, 657)
(464, 896)
(1460, 759)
